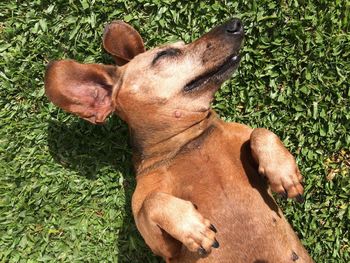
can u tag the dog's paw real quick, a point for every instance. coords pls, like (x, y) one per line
(284, 177)
(195, 232)
(181, 220)
(276, 163)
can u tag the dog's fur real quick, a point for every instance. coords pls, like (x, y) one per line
(200, 181)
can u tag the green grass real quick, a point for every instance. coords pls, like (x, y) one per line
(65, 185)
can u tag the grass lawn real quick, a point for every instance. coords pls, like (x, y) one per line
(66, 185)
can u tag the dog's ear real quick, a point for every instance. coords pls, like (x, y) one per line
(82, 89)
(122, 41)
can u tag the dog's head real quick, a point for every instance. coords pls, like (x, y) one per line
(156, 86)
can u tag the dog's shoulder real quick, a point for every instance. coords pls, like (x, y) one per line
(232, 130)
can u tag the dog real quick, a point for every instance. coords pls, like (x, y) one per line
(200, 180)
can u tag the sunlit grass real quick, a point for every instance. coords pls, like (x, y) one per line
(65, 185)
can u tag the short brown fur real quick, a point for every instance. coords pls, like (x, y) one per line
(203, 185)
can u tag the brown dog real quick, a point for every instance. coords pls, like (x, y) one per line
(199, 179)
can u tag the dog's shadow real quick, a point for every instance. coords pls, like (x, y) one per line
(89, 150)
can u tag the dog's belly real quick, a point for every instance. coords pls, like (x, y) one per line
(228, 191)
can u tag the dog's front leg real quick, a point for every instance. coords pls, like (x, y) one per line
(164, 220)
(276, 163)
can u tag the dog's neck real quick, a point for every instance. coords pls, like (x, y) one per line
(148, 153)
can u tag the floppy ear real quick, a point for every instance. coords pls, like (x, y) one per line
(82, 89)
(122, 41)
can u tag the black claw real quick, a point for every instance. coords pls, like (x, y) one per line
(284, 195)
(299, 198)
(202, 251)
(212, 228)
(215, 244)
(195, 206)
(295, 257)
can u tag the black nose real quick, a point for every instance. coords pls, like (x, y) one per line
(235, 27)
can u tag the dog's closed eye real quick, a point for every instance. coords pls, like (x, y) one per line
(170, 52)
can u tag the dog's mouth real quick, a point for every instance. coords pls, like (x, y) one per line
(214, 76)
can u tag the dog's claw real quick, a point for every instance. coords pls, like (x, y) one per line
(202, 251)
(299, 198)
(212, 228)
(284, 195)
(215, 244)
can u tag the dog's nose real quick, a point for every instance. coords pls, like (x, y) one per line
(235, 27)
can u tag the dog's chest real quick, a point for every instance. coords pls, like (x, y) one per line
(214, 167)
